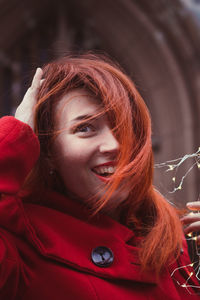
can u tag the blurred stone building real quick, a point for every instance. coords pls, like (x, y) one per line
(157, 42)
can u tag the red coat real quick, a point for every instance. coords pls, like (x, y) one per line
(50, 250)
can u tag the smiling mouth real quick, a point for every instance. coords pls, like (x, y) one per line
(104, 171)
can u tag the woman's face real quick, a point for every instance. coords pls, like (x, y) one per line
(85, 155)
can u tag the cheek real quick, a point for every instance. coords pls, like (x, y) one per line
(72, 152)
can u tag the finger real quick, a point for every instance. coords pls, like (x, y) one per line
(192, 227)
(29, 99)
(41, 81)
(193, 205)
(190, 218)
(37, 78)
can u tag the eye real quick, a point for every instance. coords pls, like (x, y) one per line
(85, 129)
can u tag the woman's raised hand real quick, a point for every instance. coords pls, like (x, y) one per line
(192, 220)
(25, 110)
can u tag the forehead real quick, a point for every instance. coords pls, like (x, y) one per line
(74, 104)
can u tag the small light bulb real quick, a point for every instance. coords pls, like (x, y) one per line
(189, 234)
(170, 167)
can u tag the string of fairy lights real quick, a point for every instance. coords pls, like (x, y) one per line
(193, 269)
(173, 165)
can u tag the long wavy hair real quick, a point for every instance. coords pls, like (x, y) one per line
(145, 210)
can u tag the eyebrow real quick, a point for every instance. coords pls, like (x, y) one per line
(84, 117)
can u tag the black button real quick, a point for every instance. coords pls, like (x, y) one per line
(102, 256)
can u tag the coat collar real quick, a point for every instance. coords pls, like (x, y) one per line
(64, 231)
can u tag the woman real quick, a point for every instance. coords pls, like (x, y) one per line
(79, 217)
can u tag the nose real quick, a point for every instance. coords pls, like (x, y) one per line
(109, 143)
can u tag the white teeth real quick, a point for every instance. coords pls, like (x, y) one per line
(105, 169)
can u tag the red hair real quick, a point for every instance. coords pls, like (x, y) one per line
(145, 210)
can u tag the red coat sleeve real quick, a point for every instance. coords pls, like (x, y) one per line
(9, 267)
(19, 150)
